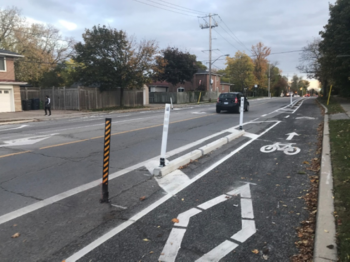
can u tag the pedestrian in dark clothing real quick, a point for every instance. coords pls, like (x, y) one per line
(47, 105)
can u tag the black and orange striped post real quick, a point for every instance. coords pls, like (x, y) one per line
(105, 168)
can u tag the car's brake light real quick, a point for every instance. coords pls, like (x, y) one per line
(236, 100)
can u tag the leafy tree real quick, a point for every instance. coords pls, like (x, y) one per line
(179, 66)
(335, 41)
(64, 74)
(41, 45)
(200, 66)
(112, 60)
(240, 69)
(259, 54)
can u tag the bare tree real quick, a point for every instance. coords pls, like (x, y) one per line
(42, 45)
(310, 59)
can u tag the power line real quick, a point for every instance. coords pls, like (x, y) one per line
(226, 39)
(239, 41)
(190, 10)
(166, 9)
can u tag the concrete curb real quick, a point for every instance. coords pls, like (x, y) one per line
(195, 154)
(325, 247)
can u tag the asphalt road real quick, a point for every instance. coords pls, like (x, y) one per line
(51, 177)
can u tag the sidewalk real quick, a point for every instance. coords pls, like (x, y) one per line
(345, 104)
(39, 115)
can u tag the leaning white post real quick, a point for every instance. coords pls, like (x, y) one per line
(291, 99)
(241, 114)
(171, 102)
(165, 134)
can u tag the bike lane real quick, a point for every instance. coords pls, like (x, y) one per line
(246, 209)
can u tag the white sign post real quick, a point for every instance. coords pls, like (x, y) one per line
(291, 99)
(241, 114)
(165, 134)
(171, 102)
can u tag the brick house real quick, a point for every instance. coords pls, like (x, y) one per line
(10, 96)
(200, 81)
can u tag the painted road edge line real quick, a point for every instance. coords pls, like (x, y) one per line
(325, 206)
(151, 207)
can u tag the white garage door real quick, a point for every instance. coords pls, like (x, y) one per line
(5, 100)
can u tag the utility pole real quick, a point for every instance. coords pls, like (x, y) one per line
(210, 26)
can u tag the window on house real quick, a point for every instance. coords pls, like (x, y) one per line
(2, 64)
(6, 92)
(181, 89)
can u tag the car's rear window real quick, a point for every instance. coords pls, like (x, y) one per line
(230, 96)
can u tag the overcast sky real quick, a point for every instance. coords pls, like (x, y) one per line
(283, 25)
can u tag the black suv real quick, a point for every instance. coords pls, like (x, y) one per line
(231, 102)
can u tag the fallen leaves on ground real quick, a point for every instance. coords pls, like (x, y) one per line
(15, 235)
(306, 232)
(255, 251)
(175, 220)
(145, 239)
(142, 198)
(307, 163)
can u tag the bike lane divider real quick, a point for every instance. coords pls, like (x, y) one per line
(212, 223)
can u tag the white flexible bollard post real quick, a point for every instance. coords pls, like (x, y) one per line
(241, 114)
(165, 134)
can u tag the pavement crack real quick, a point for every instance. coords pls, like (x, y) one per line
(21, 194)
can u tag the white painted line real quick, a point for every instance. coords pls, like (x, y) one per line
(291, 135)
(172, 245)
(218, 252)
(250, 135)
(264, 115)
(76, 256)
(247, 208)
(25, 141)
(244, 191)
(119, 206)
(184, 217)
(213, 202)
(287, 116)
(305, 117)
(19, 127)
(170, 182)
(248, 229)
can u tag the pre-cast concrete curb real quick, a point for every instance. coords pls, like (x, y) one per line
(325, 247)
(186, 159)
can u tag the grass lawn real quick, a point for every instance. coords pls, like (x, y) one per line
(333, 107)
(340, 152)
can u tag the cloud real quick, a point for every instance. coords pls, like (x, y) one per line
(68, 25)
(281, 25)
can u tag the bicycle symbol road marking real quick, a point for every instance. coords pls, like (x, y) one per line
(288, 149)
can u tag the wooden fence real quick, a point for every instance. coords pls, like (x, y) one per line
(83, 98)
(182, 97)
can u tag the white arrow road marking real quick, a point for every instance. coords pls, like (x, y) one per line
(25, 141)
(198, 113)
(304, 117)
(173, 243)
(19, 127)
(291, 135)
(287, 116)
